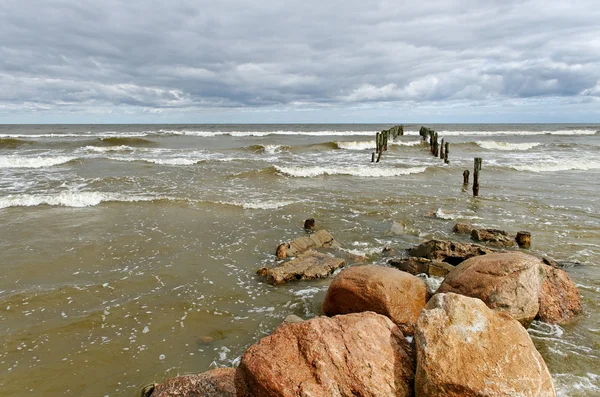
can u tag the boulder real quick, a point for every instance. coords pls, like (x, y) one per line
(506, 281)
(306, 266)
(362, 354)
(462, 228)
(384, 290)
(309, 225)
(464, 349)
(216, 383)
(414, 265)
(322, 238)
(494, 237)
(559, 299)
(448, 251)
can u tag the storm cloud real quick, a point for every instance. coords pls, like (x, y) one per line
(181, 57)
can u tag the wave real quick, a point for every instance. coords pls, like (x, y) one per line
(565, 165)
(106, 149)
(175, 160)
(209, 134)
(366, 171)
(12, 143)
(33, 162)
(131, 141)
(68, 199)
(267, 149)
(258, 204)
(105, 134)
(493, 145)
(513, 132)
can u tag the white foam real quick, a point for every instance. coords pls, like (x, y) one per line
(509, 132)
(366, 171)
(493, 145)
(104, 134)
(563, 165)
(356, 145)
(272, 149)
(100, 149)
(32, 162)
(209, 134)
(67, 199)
(258, 204)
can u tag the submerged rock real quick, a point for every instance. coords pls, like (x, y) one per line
(390, 292)
(508, 282)
(307, 266)
(322, 238)
(448, 251)
(216, 383)
(361, 354)
(309, 225)
(493, 237)
(559, 299)
(465, 349)
(462, 228)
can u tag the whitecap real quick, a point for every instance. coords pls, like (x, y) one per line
(365, 171)
(563, 165)
(67, 199)
(32, 162)
(493, 145)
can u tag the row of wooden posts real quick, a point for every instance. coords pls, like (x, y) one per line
(381, 140)
(437, 149)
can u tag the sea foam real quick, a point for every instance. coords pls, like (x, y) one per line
(493, 145)
(365, 171)
(563, 165)
(67, 199)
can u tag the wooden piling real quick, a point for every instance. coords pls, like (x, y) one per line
(377, 142)
(446, 153)
(523, 239)
(385, 141)
(476, 169)
(373, 157)
(379, 156)
(466, 174)
(442, 149)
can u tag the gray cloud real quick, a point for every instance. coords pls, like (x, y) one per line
(92, 56)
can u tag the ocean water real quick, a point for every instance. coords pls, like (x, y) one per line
(129, 251)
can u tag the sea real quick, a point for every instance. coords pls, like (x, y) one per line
(129, 252)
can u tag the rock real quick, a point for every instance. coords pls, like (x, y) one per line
(309, 225)
(322, 238)
(361, 354)
(507, 282)
(559, 264)
(307, 266)
(414, 265)
(216, 383)
(559, 299)
(465, 349)
(292, 319)
(395, 294)
(462, 228)
(523, 239)
(387, 252)
(448, 251)
(494, 237)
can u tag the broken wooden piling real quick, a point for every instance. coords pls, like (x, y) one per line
(466, 174)
(476, 169)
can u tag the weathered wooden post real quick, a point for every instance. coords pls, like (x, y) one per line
(431, 140)
(442, 149)
(385, 141)
(523, 239)
(476, 169)
(379, 156)
(466, 174)
(377, 142)
(446, 154)
(436, 145)
(373, 157)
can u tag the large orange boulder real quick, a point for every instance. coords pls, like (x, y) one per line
(508, 282)
(464, 349)
(216, 383)
(559, 299)
(384, 290)
(362, 354)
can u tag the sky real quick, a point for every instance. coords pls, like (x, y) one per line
(326, 61)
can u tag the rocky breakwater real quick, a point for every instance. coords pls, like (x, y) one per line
(307, 263)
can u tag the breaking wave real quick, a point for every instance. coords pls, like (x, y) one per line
(493, 145)
(258, 204)
(370, 145)
(33, 162)
(131, 141)
(513, 132)
(12, 143)
(366, 171)
(564, 165)
(67, 199)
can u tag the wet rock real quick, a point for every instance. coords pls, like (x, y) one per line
(361, 354)
(448, 251)
(216, 383)
(390, 292)
(523, 239)
(414, 265)
(462, 228)
(507, 282)
(559, 299)
(292, 319)
(309, 225)
(307, 266)
(322, 238)
(559, 264)
(464, 349)
(494, 237)
(388, 252)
